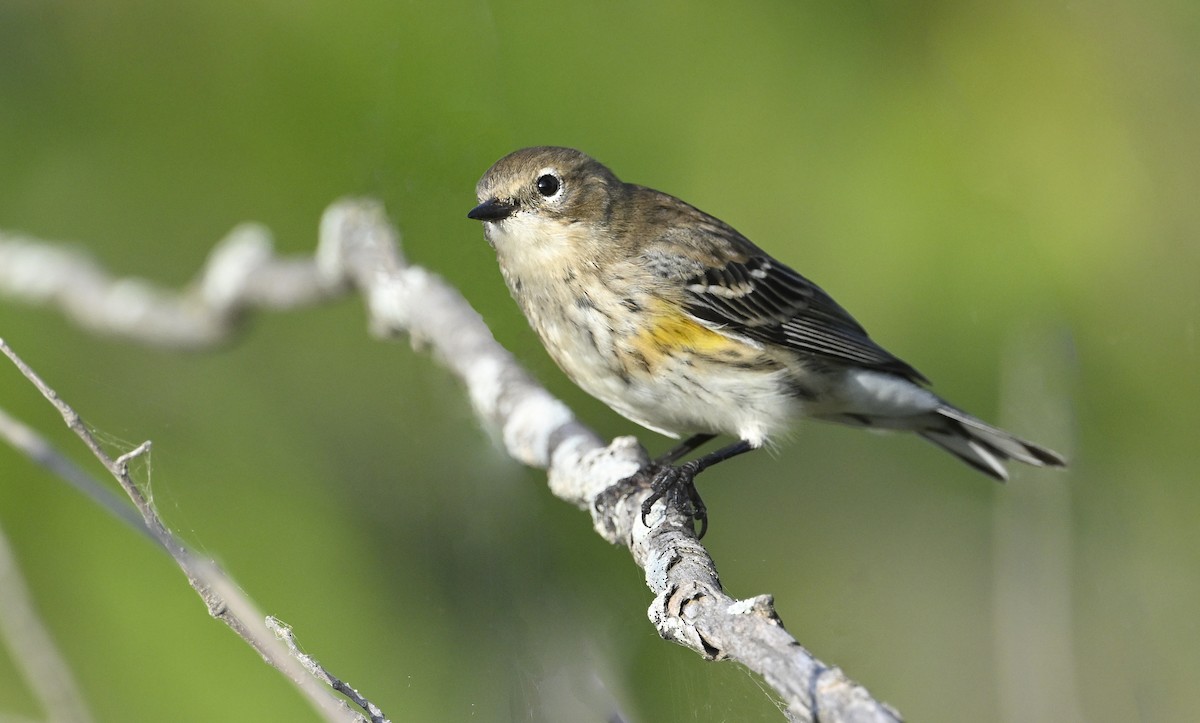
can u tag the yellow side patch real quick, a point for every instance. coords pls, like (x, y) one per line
(670, 334)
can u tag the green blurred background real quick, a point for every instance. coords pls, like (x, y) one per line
(1006, 194)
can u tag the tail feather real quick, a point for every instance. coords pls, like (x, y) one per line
(983, 446)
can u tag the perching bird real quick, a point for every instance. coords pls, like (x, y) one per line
(681, 324)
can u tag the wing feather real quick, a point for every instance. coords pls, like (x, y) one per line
(765, 300)
(752, 294)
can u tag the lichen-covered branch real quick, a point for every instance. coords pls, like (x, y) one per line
(358, 248)
(242, 272)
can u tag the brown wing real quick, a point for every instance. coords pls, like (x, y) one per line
(764, 300)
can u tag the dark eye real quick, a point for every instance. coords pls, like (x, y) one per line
(547, 185)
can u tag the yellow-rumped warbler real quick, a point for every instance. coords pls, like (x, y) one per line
(681, 324)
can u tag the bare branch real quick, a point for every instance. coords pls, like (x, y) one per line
(23, 439)
(359, 248)
(241, 272)
(222, 596)
(283, 632)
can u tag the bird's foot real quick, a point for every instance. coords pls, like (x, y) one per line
(673, 484)
(678, 487)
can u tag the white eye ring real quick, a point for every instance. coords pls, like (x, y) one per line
(549, 184)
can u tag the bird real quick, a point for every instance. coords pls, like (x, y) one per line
(681, 324)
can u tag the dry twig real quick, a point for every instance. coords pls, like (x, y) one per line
(222, 596)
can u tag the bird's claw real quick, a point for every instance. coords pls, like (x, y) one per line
(677, 485)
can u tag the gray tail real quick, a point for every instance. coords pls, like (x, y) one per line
(983, 446)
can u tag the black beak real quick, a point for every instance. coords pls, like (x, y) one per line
(492, 210)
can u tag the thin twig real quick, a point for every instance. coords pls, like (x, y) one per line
(283, 632)
(22, 438)
(222, 596)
